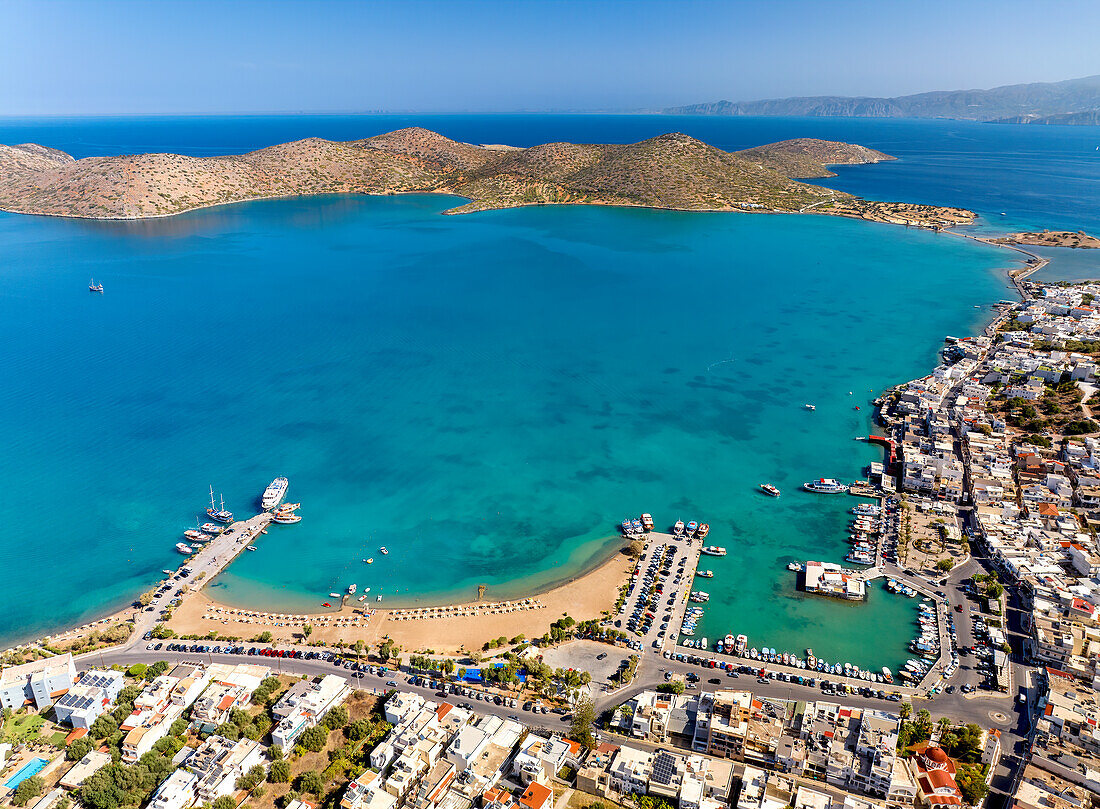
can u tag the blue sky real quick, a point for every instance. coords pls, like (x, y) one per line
(92, 56)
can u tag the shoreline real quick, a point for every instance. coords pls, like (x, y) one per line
(466, 624)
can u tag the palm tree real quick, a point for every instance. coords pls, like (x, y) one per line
(905, 710)
(924, 718)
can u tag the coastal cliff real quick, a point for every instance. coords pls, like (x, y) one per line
(673, 171)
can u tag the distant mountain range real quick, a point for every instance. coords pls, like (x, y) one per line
(1074, 101)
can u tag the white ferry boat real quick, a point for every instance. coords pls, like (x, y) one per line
(768, 489)
(825, 486)
(714, 550)
(274, 493)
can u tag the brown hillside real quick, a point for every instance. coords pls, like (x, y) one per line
(669, 171)
(807, 158)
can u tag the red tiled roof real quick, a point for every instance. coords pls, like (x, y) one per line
(535, 796)
(76, 734)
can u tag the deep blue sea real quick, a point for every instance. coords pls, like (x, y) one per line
(486, 395)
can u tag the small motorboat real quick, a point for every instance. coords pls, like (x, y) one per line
(250, 548)
(383, 550)
(809, 407)
(370, 561)
(334, 595)
(768, 489)
(183, 548)
(325, 604)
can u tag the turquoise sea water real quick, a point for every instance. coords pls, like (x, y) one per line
(486, 395)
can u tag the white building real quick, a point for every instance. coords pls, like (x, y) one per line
(93, 693)
(37, 683)
(304, 705)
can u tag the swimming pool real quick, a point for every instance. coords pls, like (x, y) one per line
(32, 767)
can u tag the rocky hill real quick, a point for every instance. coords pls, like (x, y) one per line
(807, 158)
(669, 171)
(1010, 103)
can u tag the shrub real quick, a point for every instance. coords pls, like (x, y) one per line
(137, 670)
(224, 802)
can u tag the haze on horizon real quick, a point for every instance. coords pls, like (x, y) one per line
(69, 57)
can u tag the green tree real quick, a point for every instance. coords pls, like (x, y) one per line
(584, 717)
(905, 710)
(279, 772)
(251, 779)
(971, 783)
(307, 630)
(358, 730)
(672, 687)
(945, 564)
(336, 718)
(264, 637)
(288, 798)
(156, 670)
(103, 726)
(310, 781)
(30, 788)
(224, 802)
(275, 752)
(79, 748)
(137, 670)
(228, 730)
(313, 739)
(179, 727)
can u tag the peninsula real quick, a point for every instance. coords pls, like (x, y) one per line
(671, 171)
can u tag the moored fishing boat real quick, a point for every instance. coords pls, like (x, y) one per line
(184, 548)
(286, 518)
(692, 527)
(647, 522)
(704, 529)
(678, 528)
(194, 534)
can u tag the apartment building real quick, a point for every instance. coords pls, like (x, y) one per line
(304, 705)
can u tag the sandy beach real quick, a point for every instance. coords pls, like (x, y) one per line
(444, 630)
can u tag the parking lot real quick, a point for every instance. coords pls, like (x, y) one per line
(598, 659)
(659, 586)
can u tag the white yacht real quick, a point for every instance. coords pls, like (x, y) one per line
(274, 493)
(184, 548)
